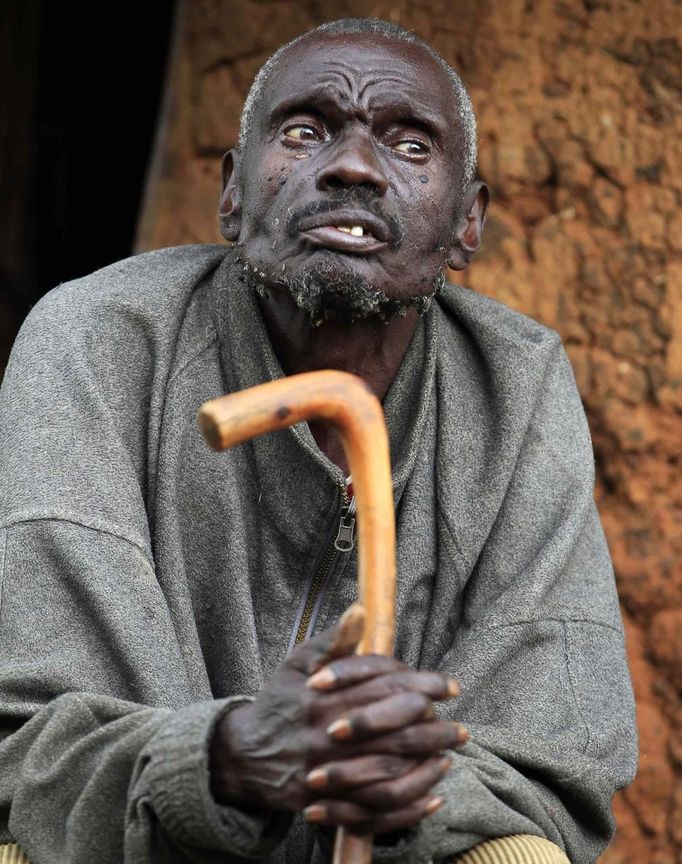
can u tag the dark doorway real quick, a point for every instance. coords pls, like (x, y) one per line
(81, 85)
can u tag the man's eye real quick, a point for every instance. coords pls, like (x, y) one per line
(302, 132)
(412, 148)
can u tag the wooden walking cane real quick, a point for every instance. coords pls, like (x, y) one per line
(348, 403)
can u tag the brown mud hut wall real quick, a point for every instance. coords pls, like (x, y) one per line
(580, 133)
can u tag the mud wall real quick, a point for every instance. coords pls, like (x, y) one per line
(578, 104)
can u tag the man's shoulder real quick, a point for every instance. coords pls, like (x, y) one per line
(507, 366)
(133, 307)
(160, 280)
(512, 349)
(119, 323)
(490, 321)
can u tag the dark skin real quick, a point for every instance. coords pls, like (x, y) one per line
(353, 740)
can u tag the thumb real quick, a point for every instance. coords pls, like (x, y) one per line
(338, 641)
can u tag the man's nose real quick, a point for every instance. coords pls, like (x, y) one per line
(353, 161)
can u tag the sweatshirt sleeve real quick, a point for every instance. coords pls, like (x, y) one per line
(103, 736)
(539, 653)
(102, 755)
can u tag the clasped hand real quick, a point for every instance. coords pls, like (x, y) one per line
(351, 740)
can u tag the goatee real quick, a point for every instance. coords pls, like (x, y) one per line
(332, 290)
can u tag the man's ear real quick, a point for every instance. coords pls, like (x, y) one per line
(230, 210)
(466, 239)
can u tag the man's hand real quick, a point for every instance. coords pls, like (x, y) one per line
(351, 740)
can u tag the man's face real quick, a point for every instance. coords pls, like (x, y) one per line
(352, 172)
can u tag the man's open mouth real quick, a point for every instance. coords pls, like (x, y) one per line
(346, 231)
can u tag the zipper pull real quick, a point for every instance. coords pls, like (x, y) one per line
(345, 539)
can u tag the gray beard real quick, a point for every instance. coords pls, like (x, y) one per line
(333, 291)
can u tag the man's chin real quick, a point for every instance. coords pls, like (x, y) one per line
(331, 289)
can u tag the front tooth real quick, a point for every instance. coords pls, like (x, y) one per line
(357, 231)
(343, 228)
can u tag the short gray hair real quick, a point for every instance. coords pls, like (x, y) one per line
(389, 31)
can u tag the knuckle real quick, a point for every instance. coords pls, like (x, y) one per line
(435, 768)
(334, 775)
(361, 724)
(359, 665)
(419, 700)
(451, 733)
(387, 683)
(357, 818)
(438, 683)
(396, 821)
(442, 733)
(429, 682)
(412, 738)
(391, 766)
(391, 685)
(369, 664)
(318, 749)
(420, 685)
(387, 798)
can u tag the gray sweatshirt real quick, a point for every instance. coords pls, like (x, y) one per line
(148, 584)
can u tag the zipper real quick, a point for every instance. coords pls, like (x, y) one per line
(344, 541)
(345, 536)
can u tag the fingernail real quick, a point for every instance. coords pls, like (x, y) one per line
(322, 680)
(453, 687)
(433, 805)
(352, 624)
(462, 733)
(315, 813)
(317, 779)
(340, 729)
(354, 617)
(446, 764)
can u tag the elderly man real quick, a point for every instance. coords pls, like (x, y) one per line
(175, 682)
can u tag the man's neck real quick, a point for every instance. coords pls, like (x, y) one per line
(369, 348)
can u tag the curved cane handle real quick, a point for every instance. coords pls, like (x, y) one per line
(349, 405)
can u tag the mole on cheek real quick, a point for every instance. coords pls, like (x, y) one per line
(424, 178)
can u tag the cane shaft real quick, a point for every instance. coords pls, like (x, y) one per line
(347, 403)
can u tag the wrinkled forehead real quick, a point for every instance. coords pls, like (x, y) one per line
(368, 69)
